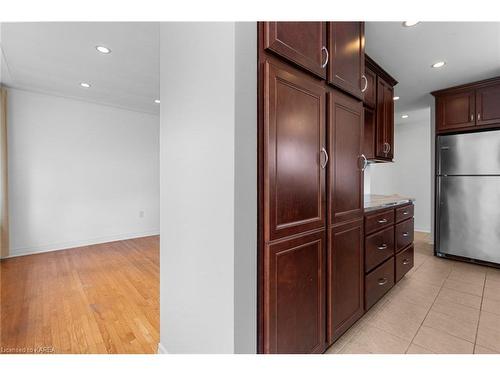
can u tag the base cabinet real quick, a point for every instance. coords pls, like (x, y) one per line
(295, 295)
(345, 278)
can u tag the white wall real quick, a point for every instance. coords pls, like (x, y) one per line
(410, 174)
(79, 173)
(208, 164)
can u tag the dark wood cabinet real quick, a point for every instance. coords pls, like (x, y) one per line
(294, 152)
(346, 61)
(455, 110)
(379, 113)
(294, 292)
(370, 97)
(384, 139)
(302, 43)
(470, 107)
(345, 124)
(345, 285)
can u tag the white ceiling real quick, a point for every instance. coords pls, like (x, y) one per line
(470, 49)
(55, 57)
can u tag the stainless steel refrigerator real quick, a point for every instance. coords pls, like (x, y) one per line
(468, 196)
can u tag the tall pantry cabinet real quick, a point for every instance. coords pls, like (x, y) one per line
(311, 84)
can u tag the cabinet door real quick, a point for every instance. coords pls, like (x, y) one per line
(488, 105)
(384, 144)
(294, 295)
(369, 133)
(303, 43)
(370, 95)
(345, 165)
(345, 286)
(455, 110)
(347, 56)
(294, 152)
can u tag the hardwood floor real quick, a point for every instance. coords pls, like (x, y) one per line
(94, 299)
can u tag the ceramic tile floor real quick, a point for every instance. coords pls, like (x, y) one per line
(440, 306)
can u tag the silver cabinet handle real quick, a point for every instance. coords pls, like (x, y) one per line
(327, 55)
(387, 147)
(406, 234)
(366, 83)
(472, 117)
(382, 247)
(478, 117)
(382, 281)
(382, 221)
(365, 161)
(405, 213)
(406, 261)
(323, 166)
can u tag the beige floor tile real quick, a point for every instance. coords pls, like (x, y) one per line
(488, 333)
(441, 342)
(482, 350)
(466, 299)
(468, 275)
(491, 305)
(370, 339)
(464, 287)
(453, 318)
(432, 277)
(417, 292)
(338, 345)
(400, 318)
(417, 349)
(493, 274)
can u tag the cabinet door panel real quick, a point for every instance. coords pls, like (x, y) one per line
(369, 133)
(294, 135)
(456, 110)
(294, 295)
(299, 42)
(384, 144)
(370, 94)
(347, 56)
(345, 285)
(488, 105)
(345, 145)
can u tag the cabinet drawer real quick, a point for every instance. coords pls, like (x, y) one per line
(378, 282)
(404, 234)
(404, 262)
(378, 220)
(379, 246)
(404, 213)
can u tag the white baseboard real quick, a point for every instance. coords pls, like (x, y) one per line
(161, 349)
(79, 243)
(422, 230)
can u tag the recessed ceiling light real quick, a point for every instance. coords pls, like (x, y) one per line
(396, 98)
(439, 64)
(85, 84)
(157, 101)
(410, 23)
(103, 49)
(404, 116)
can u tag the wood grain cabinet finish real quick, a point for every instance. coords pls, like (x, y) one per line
(302, 43)
(488, 105)
(379, 246)
(346, 63)
(404, 234)
(378, 282)
(384, 141)
(404, 262)
(370, 95)
(369, 133)
(345, 278)
(456, 110)
(294, 304)
(345, 193)
(377, 220)
(403, 213)
(294, 152)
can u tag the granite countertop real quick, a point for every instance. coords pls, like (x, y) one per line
(375, 202)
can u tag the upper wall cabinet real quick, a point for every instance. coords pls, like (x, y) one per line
(303, 43)
(379, 113)
(468, 107)
(346, 65)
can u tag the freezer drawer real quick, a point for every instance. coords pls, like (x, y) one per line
(469, 154)
(469, 217)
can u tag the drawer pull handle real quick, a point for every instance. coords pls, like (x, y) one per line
(406, 261)
(405, 213)
(406, 234)
(382, 221)
(382, 281)
(382, 247)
